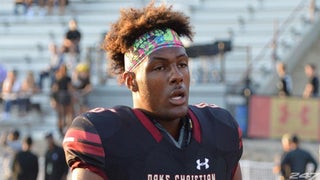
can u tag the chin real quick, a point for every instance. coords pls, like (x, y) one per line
(180, 111)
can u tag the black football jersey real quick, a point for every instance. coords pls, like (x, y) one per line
(122, 143)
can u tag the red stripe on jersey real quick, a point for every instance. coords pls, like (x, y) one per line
(148, 125)
(76, 140)
(81, 134)
(196, 126)
(84, 148)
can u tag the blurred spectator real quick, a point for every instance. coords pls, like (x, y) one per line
(50, 5)
(296, 160)
(29, 6)
(312, 87)
(25, 163)
(20, 7)
(312, 10)
(28, 89)
(62, 99)
(10, 93)
(285, 142)
(55, 165)
(12, 144)
(82, 85)
(56, 59)
(71, 42)
(62, 6)
(285, 84)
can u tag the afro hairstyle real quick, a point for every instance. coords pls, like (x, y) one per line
(133, 23)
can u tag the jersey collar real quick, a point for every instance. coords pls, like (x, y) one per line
(155, 132)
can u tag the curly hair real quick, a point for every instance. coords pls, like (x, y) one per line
(135, 22)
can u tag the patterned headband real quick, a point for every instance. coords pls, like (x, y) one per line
(148, 43)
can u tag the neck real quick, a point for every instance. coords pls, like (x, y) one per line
(173, 127)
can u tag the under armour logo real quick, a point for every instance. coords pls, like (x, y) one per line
(205, 163)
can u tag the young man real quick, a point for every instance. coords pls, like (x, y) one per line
(161, 137)
(11, 145)
(25, 164)
(312, 87)
(294, 163)
(55, 165)
(285, 83)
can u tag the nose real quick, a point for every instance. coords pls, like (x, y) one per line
(176, 76)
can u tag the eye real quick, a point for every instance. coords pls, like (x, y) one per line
(159, 68)
(183, 65)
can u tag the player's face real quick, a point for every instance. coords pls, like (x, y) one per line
(163, 83)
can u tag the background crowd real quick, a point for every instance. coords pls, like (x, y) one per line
(68, 82)
(20, 162)
(39, 7)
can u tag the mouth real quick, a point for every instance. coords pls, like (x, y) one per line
(178, 97)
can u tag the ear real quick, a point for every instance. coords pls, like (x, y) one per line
(130, 81)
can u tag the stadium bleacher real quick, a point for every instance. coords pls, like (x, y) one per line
(250, 24)
(212, 20)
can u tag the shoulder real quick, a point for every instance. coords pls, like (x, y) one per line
(304, 151)
(213, 113)
(101, 120)
(102, 112)
(88, 132)
(208, 107)
(217, 126)
(108, 115)
(34, 155)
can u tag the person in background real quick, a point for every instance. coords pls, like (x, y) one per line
(82, 85)
(20, 4)
(56, 59)
(71, 43)
(25, 163)
(12, 144)
(285, 84)
(312, 87)
(55, 164)
(295, 162)
(286, 147)
(62, 6)
(28, 89)
(61, 96)
(161, 136)
(10, 93)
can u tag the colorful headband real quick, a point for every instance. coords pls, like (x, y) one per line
(148, 43)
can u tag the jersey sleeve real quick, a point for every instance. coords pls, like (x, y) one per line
(83, 147)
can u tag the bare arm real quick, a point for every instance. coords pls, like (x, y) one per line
(307, 91)
(237, 174)
(84, 174)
